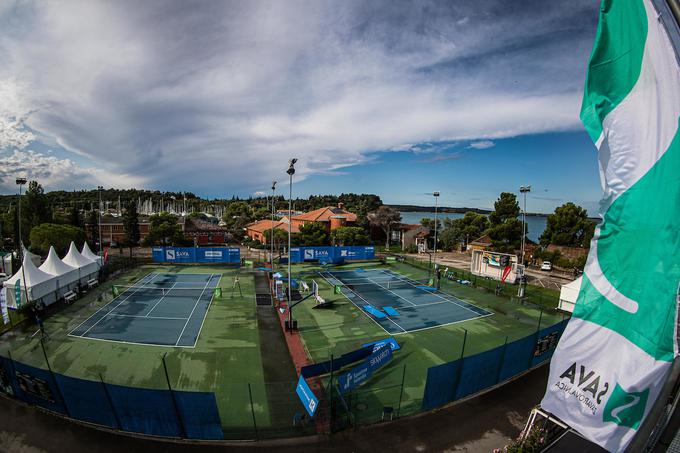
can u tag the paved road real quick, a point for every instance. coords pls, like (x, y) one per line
(477, 425)
(553, 280)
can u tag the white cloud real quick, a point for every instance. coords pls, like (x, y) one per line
(259, 194)
(54, 173)
(13, 114)
(216, 96)
(483, 144)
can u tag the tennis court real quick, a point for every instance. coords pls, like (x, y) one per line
(159, 309)
(399, 304)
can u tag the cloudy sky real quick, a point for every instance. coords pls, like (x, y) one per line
(396, 98)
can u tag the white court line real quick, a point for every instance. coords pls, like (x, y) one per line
(447, 297)
(104, 306)
(131, 342)
(119, 304)
(389, 290)
(363, 311)
(159, 288)
(440, 296)
(159, 300)
(448, 323)
(205, 315)
(193, 309)
(144, 317)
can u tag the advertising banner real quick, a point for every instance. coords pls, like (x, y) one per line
(361, 373)
(616, 353)
(196, 254)
(332, 254)
(307, 397)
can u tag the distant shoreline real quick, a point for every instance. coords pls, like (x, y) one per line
(447, 209)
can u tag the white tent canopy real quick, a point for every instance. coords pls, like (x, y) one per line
(67, 276)
(87, 253)
(87, 268)
(40, 285)
(568, 295)
(35, 258)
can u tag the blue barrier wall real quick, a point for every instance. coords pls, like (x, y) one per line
(192, 415)
(463, 377)
(331, 254)
(199, 415)
(88, 401)
(196, 255)
(317, 369)
(36, 386)
(441, 383)
(145, 411)
(478, 372)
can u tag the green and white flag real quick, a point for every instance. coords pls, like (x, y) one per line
(618, 348)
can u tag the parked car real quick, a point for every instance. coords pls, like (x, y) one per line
(546, 266)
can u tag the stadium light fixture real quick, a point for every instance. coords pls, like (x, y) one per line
(523, 190)
(436, 205)
(290, 172)
(271, 234)
(20, 182)
(100, 188)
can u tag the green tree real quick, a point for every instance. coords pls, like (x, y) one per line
(74, 217)
(280, 238)
(261, 214)
(349, 236)
(93, 227)
(385, 218)
(569, 226)
(312, 233)
(505, 208)
(34, 209)
(131, 226)
(59, 236)
(430, 225)
(236, 217)
(164, 230)
(471, 226)
(505, 230)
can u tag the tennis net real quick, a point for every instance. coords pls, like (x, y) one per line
(376, 285)
(159, 291)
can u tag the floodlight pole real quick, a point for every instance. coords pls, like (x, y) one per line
(291, 172)
(20, 182)
(271, 257)
(436, 205)
(100, 188)
(524, 190)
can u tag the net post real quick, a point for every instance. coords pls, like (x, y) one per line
(401, 392)
(110, 401)
(252, 411)
(174, 401)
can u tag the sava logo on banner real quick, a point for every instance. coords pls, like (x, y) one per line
(604, 379)
(590, 390)
(616, 353)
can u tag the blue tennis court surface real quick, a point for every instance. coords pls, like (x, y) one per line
(399, 304)
(160, 309)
